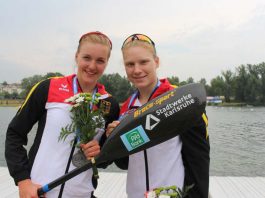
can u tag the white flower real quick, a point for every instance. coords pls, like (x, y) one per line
(151, 194)
(71, 99)
(80, 99)
(76, 96)
(76, 105)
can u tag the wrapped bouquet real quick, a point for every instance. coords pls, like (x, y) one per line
(86, 119)
(168, 192)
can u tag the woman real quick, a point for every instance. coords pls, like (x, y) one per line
(181, 161)
(45, 104)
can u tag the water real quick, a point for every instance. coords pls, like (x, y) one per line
(237, 138)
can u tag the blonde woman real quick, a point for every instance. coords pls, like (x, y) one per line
(181, 161)
(48, 159)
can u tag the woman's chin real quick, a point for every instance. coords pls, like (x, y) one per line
(140, 85)
(89, 81)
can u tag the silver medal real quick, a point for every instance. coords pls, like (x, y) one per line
(79, 159)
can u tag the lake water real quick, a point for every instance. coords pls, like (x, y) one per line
(237, 138)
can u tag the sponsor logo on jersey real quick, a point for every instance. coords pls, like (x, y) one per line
(64, 88)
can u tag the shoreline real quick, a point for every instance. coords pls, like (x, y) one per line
(11, 102)
(235, 104)
(19, 102)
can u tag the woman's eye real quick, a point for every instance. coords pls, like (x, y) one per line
(101, 61)
(87, 57)
(143, 62)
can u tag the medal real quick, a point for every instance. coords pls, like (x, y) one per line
(79, 159)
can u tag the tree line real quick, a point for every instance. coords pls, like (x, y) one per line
(245, 85)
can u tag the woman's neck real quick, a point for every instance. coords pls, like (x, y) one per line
(87, 88)
(145, 93)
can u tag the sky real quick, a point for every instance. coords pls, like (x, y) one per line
(198, 39)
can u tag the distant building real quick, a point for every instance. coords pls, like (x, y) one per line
(11, 88)
(214, 99)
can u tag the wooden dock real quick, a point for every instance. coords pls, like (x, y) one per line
(113, 184)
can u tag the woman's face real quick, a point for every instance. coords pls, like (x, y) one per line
(140, 65)
(91, 60)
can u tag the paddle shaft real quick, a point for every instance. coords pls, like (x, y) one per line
(64, 178)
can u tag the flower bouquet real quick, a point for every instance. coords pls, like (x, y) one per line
(86, 120)
(168, 192)
(87, 123)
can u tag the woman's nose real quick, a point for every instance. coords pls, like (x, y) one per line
(137, 68)
(92, 64)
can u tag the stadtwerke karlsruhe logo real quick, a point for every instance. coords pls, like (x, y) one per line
(134, 138)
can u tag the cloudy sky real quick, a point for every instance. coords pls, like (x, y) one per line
(194, 38)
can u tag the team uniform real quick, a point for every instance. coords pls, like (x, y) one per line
(180, 161)
(47, 158)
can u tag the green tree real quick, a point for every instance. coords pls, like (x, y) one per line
(253, 85)
(217, 86)
(14, 95)
(228, 84)
(6, 95)
(261, 69)
(174, 80)
(183, 83)
(118, 86)
(190, 80)
(23, 94)
(241, 83)
(204, 82)
(28, 83)
(52, 74)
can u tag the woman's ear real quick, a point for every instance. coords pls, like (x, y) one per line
(157, 61)
(75, 56)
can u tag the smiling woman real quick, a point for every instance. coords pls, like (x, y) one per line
(186, 155)
(46, 105)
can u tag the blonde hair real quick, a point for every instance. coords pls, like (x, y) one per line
(96, 38)
(136, 43)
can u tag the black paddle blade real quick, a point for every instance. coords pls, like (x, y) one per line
(155, 122)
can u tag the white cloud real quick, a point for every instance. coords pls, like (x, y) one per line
(193, 38)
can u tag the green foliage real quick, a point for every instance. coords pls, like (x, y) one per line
(217, 86)
(190, 80)
(228, 84)
(52, 74)
(173, 191)
(118, 86)
(29, 82)
(174, 80)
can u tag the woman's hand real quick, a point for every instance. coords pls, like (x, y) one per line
(27, 189)
(111, 126)
(91, 149)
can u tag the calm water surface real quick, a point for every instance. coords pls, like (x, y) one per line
(237, 138)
